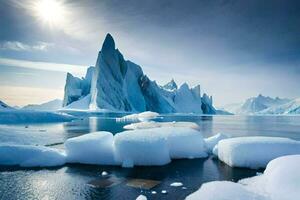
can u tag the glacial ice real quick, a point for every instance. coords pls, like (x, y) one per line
(255, 152)
(117, 84)
(31, 156)
(92, 148)
(280, 181)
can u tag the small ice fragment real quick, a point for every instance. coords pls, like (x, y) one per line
(164, 192)
(141, 197)
(104, 173)
(176, 184)
(258, 173)
(184, 188)
(153, 192)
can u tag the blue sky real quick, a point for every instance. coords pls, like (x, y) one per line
(233, 49)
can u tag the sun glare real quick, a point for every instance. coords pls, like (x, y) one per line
(51, 12)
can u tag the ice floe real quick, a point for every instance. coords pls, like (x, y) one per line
(255, 152)
(143, 116)
(153, 124)
(31, 156)
(212, 141)
(92, 148)
(280, 181)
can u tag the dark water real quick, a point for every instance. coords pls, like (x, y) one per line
(71, 181)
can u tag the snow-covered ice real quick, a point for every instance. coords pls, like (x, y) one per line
(158, 146)
(212, 141)
(255, 152)
(31, 156)
(153, 124)
(280, 181)
(144, 116)
(92, 148)
(141, 197)
(29, 116)
(224, 190)
(176, 184)
(141, 147)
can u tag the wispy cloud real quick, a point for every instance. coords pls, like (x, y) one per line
(20, 46)
(78, 70)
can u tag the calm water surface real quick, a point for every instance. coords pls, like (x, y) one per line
(71, 181)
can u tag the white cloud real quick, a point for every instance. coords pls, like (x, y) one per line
(20, 46)
(78, 70)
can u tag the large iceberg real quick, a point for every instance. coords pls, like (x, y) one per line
(255, 152)
(120, 85)
(280, 181)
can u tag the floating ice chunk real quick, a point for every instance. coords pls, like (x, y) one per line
(224, 190)
(153, 192)
(255, 152)
(141, 197)
(104, 173)
(31, 156)
(164, 192)
(212, 141)
(183, 142)
(280, 180)
(141, 147)
(176, 184)
(92, 148)
(30, 116)
(152, 124)
(158, 145)
(144, 116)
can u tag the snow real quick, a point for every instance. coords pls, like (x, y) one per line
(48, 106)
(144, 116)
(30, 156)
(255, 152)
(5, 107)
(141, 197)
(158, 146)
(81, 104)
(176, 184)
(280, 181)
(141, 147)
(27, 116)
(211, 142)
(152, 124)
(92, 148)
(223, 190)
(292, 107)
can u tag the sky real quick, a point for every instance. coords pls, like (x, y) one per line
(234, 49)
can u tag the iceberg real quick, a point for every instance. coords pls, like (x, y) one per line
(117, 84)
(31, 156)
(92, 148)
(5, 107)
(280, 181)
(47, 106)
(255, 152)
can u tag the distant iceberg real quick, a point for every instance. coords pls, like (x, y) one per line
(117, 84)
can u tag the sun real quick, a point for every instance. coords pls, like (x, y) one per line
(51, 12)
